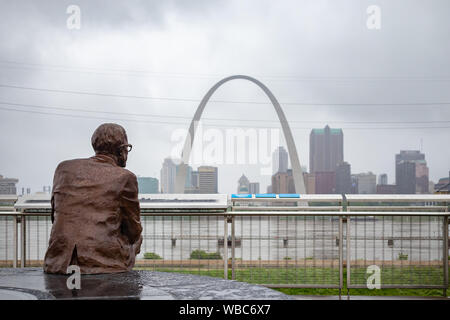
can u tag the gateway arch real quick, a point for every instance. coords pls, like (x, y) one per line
(292, 150)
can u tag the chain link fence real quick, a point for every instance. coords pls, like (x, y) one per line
(329, 242)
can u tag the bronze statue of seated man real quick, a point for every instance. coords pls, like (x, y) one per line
(95, 209)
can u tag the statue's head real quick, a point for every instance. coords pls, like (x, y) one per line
(111, 139)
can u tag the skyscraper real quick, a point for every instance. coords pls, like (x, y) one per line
(310, 182)
(279, 160)
(367, 183)
(405, 173)
(168, 175)
(8, 185)
(247, 187)
(253, 187)
(443, 185)
(283, 182)
(409, 155)
(383, 179)
(208, 179)
(194, 179)
(422, 173)
(383, 187)
(354, 179)
(325, 182)
(413, 177)
(343, 178)
(243, 185)
(326, 149)
(194, 182)
(188, 181)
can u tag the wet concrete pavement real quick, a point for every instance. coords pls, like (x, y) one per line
(33, 283)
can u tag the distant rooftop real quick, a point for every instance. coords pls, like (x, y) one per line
(409, 151)
(443, 184)
(8, 179)
(322, 131)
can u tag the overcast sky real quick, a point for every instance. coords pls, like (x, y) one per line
(388, 89)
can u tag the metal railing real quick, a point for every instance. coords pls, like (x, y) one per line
(314, 241)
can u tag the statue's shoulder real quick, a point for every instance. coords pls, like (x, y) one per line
(130, 175)
(71, 163)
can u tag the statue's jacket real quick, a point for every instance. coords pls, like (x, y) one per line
(95, 216)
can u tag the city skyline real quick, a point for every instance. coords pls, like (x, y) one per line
(333, 174)
(125, 66)
(170, 167)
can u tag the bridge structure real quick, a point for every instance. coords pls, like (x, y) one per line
(299, 184)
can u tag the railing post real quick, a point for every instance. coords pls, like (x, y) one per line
(341, 260)
(15, 242)
(233, 247)
(348, 255)
(23, 244)
(225, 247)
(341, 245)
(445, 255)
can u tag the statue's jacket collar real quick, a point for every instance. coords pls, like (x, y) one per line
(104, 158)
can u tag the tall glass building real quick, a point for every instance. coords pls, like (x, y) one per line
(326, 149)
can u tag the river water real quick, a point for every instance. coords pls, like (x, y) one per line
(264, 238)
